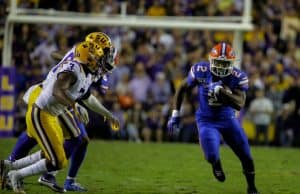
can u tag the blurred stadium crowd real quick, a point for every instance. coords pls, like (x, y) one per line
(152, 62)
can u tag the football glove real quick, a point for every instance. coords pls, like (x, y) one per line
(173, 123)
(114, 122)
(81, 113)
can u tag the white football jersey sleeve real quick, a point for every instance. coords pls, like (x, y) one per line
(47, 101)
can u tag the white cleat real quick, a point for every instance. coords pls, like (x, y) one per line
(15, 180)
(5, 166)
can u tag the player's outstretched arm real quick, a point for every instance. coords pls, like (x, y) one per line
(235, 99)
(95, 105)
(173, 123)
(179, 95)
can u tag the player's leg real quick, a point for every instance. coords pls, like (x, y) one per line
(75, 146)
(7, 165)
(77, 158)
(236, 138)
(71, 132)
(46, 130)
(22, 147)
(209, 138)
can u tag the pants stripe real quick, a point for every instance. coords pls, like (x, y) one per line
(66, 126)
(41, 132)
(68, 117)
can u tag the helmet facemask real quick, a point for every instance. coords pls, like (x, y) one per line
(107, 63)
(221, 67)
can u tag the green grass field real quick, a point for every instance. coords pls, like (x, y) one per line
(121, 167)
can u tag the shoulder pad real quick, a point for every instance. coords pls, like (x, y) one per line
(199, 69)
(241, 77)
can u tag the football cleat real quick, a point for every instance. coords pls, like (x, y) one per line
(15, 181)
(8, 185)
(49, 180)
(71, 185)
(5, 166)
(218, 171)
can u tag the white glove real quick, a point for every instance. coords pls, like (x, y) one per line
(81, 113)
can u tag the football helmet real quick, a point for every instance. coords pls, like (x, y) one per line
(99, 38)
(221, 59)
(89, 54)
(110, 52)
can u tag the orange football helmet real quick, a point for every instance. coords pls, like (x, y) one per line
(221, 59)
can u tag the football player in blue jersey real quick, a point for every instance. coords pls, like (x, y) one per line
(221, 91)
(77, 145)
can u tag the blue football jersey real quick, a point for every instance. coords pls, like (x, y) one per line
(104, 83)
(201, 76)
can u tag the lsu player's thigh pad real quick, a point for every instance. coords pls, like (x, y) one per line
(45, 128)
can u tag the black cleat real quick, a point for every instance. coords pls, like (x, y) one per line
(49, 180)
(218, 171)
(252, 191)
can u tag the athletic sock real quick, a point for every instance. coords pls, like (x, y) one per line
(28, 160)
(37, 168)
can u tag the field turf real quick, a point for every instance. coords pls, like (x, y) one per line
(121, 168)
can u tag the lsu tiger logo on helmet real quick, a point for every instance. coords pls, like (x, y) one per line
(99, 38)
(222, 58)
(110, 53)
(89, 54)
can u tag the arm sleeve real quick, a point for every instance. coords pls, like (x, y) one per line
(95, 105)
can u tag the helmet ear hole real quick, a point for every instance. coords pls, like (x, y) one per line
(106, 50)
